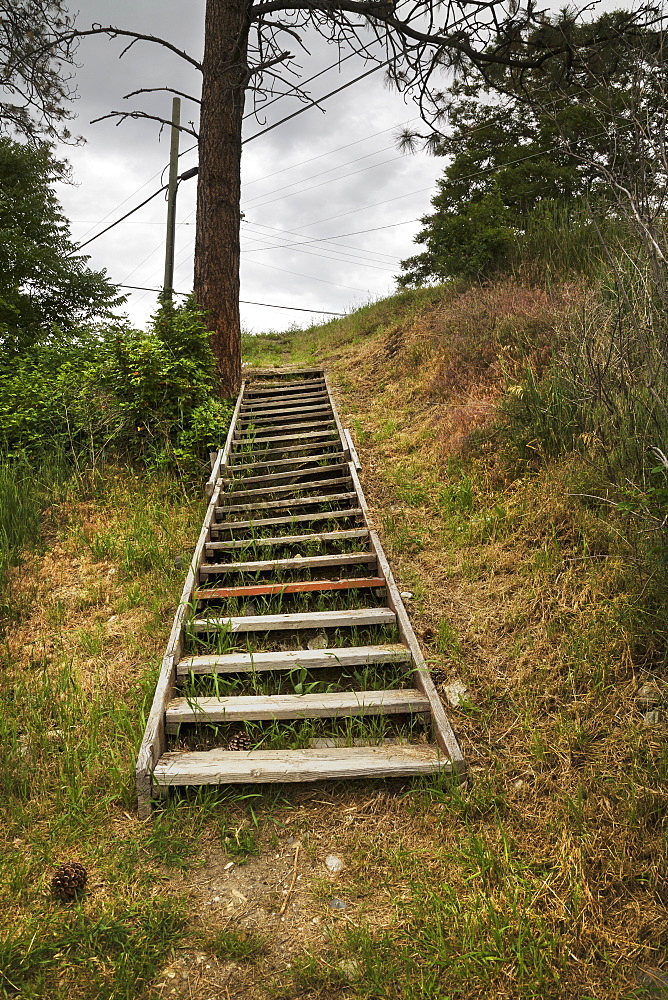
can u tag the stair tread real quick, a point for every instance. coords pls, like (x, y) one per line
(296, 562)
(287, 437)
(331, 441)
(400, 701)
(275, 476)
(304, 619)
(281, 387)
(266, 522)
(307, 425)
(296, 587)
(257, 766)
(268, 416)
(342, 656)
(280, 540)
(308, 398)
(285, 502)
(295, 460)
(289, 487)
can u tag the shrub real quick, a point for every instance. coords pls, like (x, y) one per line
(114, 390)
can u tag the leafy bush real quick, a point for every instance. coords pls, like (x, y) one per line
(114, 390)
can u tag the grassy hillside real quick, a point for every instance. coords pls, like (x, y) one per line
(526, 543)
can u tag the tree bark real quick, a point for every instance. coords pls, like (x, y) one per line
(217, 251)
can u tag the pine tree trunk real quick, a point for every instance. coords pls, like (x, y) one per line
(219, 183)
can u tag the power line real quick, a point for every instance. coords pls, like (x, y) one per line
(301, 163)
(314, 104)
(312, 253)
(332, 180)
(327, 239)
(273, 267)
(268, 305)
(118, 221)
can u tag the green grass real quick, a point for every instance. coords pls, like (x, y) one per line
(235, 946)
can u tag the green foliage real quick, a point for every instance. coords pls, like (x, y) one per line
(115, 390)
(234, 945)
(45, 290)
(470, 241)
(34, 51)
(557, 134)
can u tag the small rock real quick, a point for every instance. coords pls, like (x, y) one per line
(456, 692)
(652, 718)
(333, 864)
(653, 980)
(350, 969)
(316, 920)
(649, 695)
(318, 641)
(519, 784)
(337, 904)
(228, 866)
(406, 595)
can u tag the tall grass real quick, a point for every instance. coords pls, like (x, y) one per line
(25, 490)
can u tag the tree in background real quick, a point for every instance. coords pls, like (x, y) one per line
(36, 49)
(544, 135)
(44, 287)
(504, 162)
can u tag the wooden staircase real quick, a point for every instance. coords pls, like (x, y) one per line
(290, 627)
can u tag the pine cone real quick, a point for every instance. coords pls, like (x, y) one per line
(69, 880)
(239, 741)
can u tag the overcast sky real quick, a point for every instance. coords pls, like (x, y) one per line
(318, 176)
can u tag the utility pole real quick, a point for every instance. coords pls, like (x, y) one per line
(168, 287)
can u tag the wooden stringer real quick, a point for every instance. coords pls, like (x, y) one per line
(291, 640)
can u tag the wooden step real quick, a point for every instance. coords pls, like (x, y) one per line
(282, 462)
(284, 503)
(290, 488)
(266, 419)
(262, 417)
(402, 701)
(306, 425)
(275, 476)
(292, 659)
(298, 562)
(268, 522)
(308, 398)
(280, 389)
(331, 442)
(304, 436)
(217, 767)
(353, 618)
(280, 540)
(254, 384)
(299, 587)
